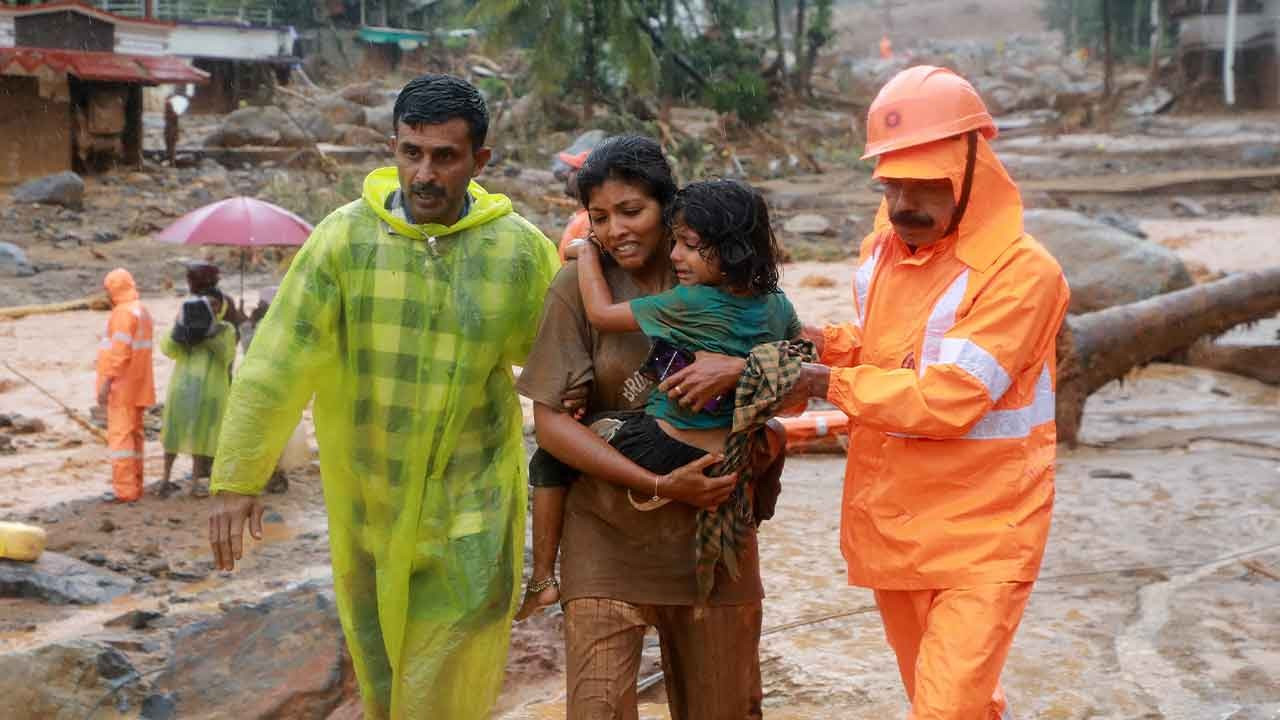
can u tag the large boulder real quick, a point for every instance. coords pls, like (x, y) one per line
(68, 681)
(319, 126)
(368, 94)
(1105, 266)
(258, 125)
(359, 136)
(64, 188)
(61, 580)
(281, 658)
(379, 118)
(340, 111)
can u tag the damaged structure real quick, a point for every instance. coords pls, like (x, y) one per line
(71, 77)
(1230, 48)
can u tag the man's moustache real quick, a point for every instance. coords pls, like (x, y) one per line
(911, 219)
(426, 189)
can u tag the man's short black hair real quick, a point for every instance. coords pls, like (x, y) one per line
(433, 99)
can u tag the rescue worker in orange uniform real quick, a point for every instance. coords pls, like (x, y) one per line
(946, 370)
(579, 225)
(126, 384)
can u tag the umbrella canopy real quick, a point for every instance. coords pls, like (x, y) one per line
(241, 221)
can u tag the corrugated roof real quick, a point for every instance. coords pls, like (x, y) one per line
(100, 66)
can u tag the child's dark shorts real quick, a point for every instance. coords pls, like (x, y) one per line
(632, 433)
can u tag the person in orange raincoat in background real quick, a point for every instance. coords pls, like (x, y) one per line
(126, 384)
(579, 225)
(946, 371)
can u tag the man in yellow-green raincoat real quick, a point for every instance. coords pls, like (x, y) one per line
(402, 316)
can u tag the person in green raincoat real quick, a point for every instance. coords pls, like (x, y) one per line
(202, 346)
(402, 315)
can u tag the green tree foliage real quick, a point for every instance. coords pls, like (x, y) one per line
(1080, 22)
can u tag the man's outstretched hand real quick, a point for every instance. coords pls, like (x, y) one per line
(230, 513)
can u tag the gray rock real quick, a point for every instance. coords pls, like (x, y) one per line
(64, 188)
(808, 224)
(1260, 154)
(1103, 265)
(1186, 207)
(13, 261)
(283, 657)
(379, 118)
(60, 580)
(268, 126)
(367, 94)
(67, 681)
(159, 707)
(360, 136)
(340, 111)
(1123, 222)
(23, 425)
(318, 125)
(105, 236)
(6, 445)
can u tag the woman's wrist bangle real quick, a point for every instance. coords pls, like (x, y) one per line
(656, 479)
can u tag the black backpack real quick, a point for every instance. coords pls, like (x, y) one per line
(195, 322)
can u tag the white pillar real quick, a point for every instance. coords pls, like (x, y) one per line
(1229, 55)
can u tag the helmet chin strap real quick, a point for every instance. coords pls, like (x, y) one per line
(967, 186)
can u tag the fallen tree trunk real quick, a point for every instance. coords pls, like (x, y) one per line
(1098, 347)
(92, 302)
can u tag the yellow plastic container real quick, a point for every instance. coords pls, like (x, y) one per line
(21, 542)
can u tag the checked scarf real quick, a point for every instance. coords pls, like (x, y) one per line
(772, 370)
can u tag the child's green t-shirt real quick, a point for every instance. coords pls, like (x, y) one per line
(703, 317)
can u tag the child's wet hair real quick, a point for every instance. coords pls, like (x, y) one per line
(732, 221)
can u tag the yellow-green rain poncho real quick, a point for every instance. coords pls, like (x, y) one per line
(197, 394)
(406, 335)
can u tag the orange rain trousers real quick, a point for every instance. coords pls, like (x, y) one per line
(951, 645)
(124, 443)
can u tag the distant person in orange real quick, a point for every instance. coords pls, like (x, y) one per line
(126, 385)
(579, 225)
(947, 373)
(886, 48)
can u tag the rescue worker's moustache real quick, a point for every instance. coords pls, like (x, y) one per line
(427, 189)
(912, 219)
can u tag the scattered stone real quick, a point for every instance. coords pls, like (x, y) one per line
(6, 445)
(200, 196)
(159, 707)
(105, 236)
(106, 525)
(23, 425)
(134, 619)
(1105, 266)
(1259, 154)
(1186, 207)
(64, 188)
(808, 224)
(817, 281)
(273, 516)
(13, 261)
(60, 580)
(94, 558)
(6, 420)
(67, 680)
(283, 657)
(1123, 222)
(156, 568)
(1108, 474)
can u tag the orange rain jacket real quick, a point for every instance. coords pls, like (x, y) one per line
(947, 374)
(579, 227)
(125, 351)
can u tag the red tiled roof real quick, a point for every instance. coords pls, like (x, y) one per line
(82, 8)
(101, 66)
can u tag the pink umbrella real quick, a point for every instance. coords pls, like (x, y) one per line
(241, 221)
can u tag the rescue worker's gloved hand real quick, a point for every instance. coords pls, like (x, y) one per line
(227, 523)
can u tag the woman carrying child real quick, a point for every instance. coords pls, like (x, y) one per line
(627, 565)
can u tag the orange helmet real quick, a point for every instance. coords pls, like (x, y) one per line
(922, 104)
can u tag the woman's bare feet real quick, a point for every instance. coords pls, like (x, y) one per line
(539, 595)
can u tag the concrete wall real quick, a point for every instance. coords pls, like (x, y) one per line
(230, 43)
(35, 139)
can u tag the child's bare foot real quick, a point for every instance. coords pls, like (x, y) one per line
(539, 595)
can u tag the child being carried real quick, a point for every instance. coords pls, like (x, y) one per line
(726, 301)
